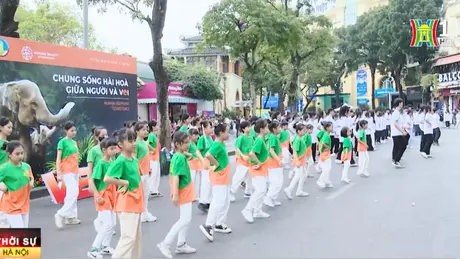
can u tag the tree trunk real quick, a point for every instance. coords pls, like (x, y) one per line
(253, 97)
(293, 84)
(8, 27)
(281, 97)
(373, 69)
(397, 78)
(162, 80)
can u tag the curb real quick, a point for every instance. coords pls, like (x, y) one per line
(42, 191)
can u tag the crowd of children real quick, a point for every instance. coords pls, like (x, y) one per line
(125, 172)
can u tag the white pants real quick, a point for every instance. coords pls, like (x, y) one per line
(146, 187)
(180, 228)
(205, 187)
(363, 162)
(286, 156)
(275, 182)
(220, 204)
(130, 242)
(373, 139)
(241, 174)
(69, 209)
(346, 167)
(18, 220)
(325, 176)
(309, 166)
(298, 179)
(196, 179)
(104, 235)
(154, 179)
(255, 203)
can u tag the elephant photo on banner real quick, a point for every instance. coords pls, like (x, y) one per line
(33, 123)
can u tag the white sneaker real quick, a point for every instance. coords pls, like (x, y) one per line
(232, 197)
(302, 194)
(277, 203)
(346, 180)
(269, 202)
(94, 254)
(288, 193)
(185, 249)
(329, 185)
(72, 221)
(338, 161)
(247, 215)
(165, 250)
(147, 217)
(107, 250)
(366, 175)
(59, 220)
(429, 156)
(424, 154)
(261, 215)
(224, 229)
(321, 184)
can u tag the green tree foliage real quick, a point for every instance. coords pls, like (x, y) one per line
(201, 82)
(395, 33)
(53, 23)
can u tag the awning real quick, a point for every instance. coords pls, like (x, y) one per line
(171, 99)
(447, 60)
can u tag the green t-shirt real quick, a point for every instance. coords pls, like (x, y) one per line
(320, 134)
(307, 139)
(274, 142)
(15, 177)
(126, 169)
(347, 146)
(94, 155)
(204, 144)
(192, 149)
(3, 154)
(98, 174)
(142, 150)
(284, 136)
(68, 147)
(326, 139)
(362, 136)
(152, 140)
(179, 167)
(299, 146)
(183, 128)
(244, 143)
(260, 149)
(253, 133)
(219, 152)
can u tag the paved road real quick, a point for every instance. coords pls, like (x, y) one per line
(407, 213)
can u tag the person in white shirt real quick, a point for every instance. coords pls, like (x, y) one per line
(448, 118)
(380, 128)
(334, 140)
(358, 117)
(387, 120)
(419, 118)
(427, 138)
(436, 127)
(408, 124)
(457, 119)
(344, 121)
(398, 133)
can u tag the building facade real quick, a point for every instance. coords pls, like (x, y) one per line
(219, 60)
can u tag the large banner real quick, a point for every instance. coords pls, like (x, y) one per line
(42, 86)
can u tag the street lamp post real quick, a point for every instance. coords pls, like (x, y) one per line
(85, 25)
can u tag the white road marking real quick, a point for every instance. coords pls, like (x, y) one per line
(340, 191)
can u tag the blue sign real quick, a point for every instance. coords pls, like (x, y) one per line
(383, 92)
(4, 48)
(362, 100)
(271, 103)
(288, 109)
(299, 105)
(361, 82)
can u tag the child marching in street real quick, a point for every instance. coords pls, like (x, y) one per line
(142, 154)
(274, 165)
(129, 201)
(299, 150)
(183, 194)
(347, 150)
(258, 172)
(309, 152)
(319, 136)
(155, 147)
(285, 140)
(195, 159)
(104, 198)
(67, 171)
(219, 176)
(325, 157)
(6, 128)
(16, 181)
(243, 145)
(203, 145)
(363, 162)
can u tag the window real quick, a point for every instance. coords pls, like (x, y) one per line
(236, 68)
(225, 62)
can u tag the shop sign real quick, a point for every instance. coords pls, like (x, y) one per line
(362, 101)
(454, 92)
(449, 77)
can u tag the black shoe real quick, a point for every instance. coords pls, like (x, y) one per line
(203, 207)
(156, 195)
(207, 206)
(223, 229)
(207, 232)
(243, 185)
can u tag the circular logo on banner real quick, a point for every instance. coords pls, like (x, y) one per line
(27, 53)
(4, 48)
